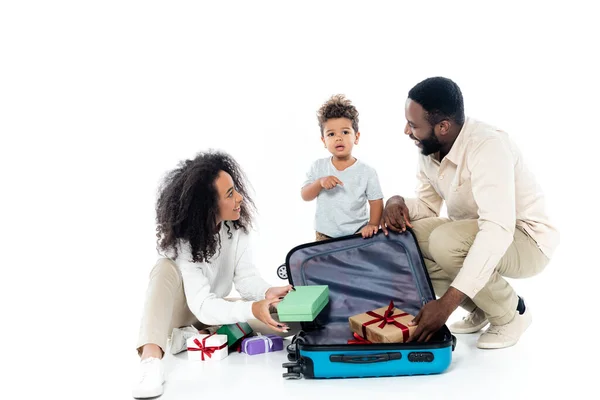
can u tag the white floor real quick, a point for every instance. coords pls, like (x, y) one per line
(557, 355)
(538, 365)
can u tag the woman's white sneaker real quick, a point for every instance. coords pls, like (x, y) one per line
(179, 338)
(150, 379)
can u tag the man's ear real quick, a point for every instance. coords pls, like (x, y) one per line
(444, 127)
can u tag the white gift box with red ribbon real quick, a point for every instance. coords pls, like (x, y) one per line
(203, 347)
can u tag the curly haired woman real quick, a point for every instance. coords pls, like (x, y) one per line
(203, 214)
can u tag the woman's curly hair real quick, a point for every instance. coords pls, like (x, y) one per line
(188, 205)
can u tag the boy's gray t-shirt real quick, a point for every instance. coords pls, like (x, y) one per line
(343, 210)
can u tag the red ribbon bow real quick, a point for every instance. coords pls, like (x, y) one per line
(388, 317)
(206, 350)
(358, 340)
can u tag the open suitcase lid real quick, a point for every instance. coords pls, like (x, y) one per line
(363, 274)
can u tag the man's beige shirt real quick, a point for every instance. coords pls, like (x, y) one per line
(484, 177)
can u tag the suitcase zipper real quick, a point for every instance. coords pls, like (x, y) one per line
(412, 268)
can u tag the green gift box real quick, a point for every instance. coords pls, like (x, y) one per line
(235, 332)
(303, 304)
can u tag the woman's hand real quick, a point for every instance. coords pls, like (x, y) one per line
(278, 292)
(261, 311)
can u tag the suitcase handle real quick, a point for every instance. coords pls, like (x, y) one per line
(365, 358)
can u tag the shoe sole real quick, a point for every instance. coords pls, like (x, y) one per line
(491, 346)
(145, 394)
(472, 329)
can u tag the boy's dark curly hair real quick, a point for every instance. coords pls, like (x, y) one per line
(187, 206)
(338, 106)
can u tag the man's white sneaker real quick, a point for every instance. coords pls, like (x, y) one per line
(471, 323)
(501, 336)
(150, 379)
(179, 338)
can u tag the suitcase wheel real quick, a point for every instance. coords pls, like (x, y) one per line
(292, 375)
(282, 272)
(292, 367)
(291, 350)
(289, 365)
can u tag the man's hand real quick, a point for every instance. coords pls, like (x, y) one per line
(369, 231)
(434, 315)
(329, 182)
(395, 215)
(277, 292)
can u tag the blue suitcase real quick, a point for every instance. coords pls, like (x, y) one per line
(362, 274)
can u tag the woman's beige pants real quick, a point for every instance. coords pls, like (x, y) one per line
(166, 308)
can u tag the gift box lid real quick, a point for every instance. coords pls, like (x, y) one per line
(261, 343)
(211, 339)
(362, 274)
(235, 332)
(303, 304)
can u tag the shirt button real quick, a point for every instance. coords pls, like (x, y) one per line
(442, 176)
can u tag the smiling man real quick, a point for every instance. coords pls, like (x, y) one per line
(496, 227)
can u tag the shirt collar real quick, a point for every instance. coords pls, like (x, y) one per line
(458, 147)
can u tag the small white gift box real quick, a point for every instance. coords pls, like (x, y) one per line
(207, 347)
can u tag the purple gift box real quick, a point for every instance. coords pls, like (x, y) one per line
(261, 344)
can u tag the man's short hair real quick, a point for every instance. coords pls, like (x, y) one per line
(441, 98)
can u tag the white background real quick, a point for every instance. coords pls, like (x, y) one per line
(99, 99)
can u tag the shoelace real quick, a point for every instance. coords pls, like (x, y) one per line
(187, 333)
(494, 330)
(146, 368)
(469, 317)
(497, 330)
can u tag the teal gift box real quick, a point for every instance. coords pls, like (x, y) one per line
(235, 332)
(303, 304)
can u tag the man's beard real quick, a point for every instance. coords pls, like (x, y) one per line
(431, 144)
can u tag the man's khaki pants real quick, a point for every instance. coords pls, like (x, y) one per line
(445, 244)
(166, 308)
